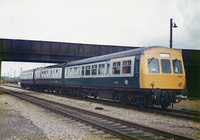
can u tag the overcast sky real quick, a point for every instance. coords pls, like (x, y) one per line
(107, 22)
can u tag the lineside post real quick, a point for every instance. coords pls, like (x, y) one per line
(0, 70)
(0, 58)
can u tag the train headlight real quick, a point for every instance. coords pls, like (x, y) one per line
(180, 84)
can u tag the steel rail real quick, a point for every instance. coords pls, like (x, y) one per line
(127, 123)
(111, 131)
(187, 115)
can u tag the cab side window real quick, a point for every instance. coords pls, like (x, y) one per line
(153, 65)
(137, 66)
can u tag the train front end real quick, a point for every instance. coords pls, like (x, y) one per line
(162, 72)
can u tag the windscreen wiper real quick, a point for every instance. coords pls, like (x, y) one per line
(150, 60)
(174, 62)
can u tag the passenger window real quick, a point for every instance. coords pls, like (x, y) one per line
(126, 67)
(101, 69)
(166, 66)
(66, 72)
(83, 69)
(177, 67)
(94, 69)
(87, 72)
(78, 71)
(153, 65)
(51, 73)
(116, 68)
(70, 72)
(108, 69)
(75, 72)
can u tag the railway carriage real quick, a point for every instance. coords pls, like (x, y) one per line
(26, 78)
(144, 76)
(104, 76)
(48, 78)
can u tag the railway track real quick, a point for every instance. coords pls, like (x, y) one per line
(180, 114)
(117, 127)
(188, 115)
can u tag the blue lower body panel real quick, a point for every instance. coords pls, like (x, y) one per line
(48, 82)
(26, 82)
(109, 82)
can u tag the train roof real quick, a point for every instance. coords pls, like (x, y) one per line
(27, 71)
(51, 66)
(107, 57)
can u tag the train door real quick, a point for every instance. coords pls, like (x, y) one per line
(137, 72)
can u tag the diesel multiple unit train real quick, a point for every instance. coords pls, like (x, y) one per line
(146, 76)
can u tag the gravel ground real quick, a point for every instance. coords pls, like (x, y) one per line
(22, 120)
(15, 126)
(188, 105)
(183, 127)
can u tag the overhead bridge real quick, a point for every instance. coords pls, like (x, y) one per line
(59, 52)
(51, 52)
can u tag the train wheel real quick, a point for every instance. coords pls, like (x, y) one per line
(164, 105)
(124, 100)
(95, 97)
(142, 106)
(72, 94)
(61, 91)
